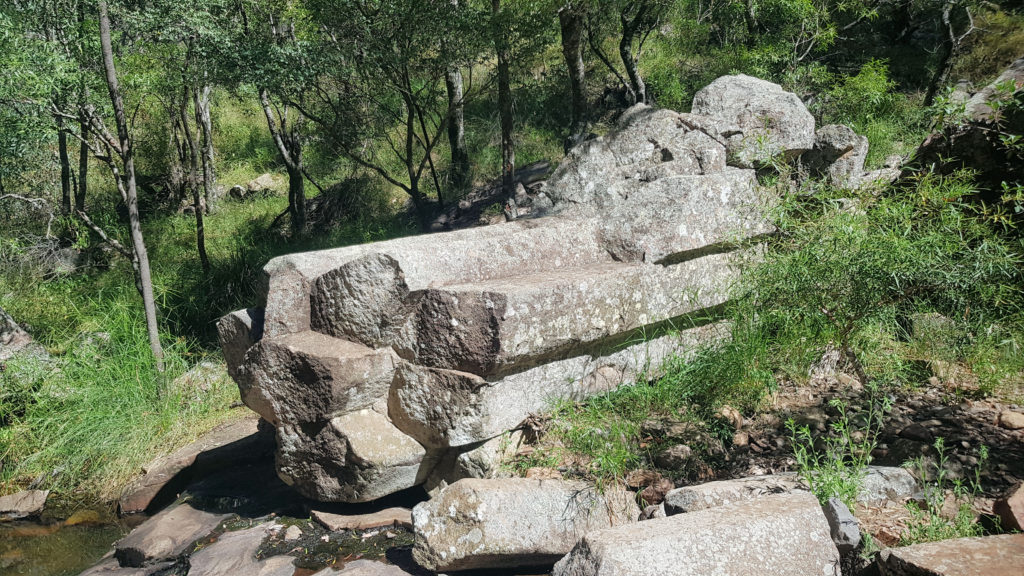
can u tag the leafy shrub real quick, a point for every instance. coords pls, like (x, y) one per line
(928, 524)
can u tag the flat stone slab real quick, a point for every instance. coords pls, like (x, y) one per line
(364, 568)
(234, 553)
(23, 504)
(689, 499)
(781, 535)
(505, 523)
(165, 535)
(110, 567)
(138, 494)
(1001, 555)
(388, 517)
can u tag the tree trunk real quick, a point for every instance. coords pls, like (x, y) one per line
(508, 151)
(637, 88)
(289, 144)
(192, 177)
(947, 56)
(83, 163)
(571, 20)
(65, 168)
(457, 128)
(130, 193)
(205, 123)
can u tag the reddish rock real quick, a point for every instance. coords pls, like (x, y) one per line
(986, 556)
(1010, 508)
(380, 519)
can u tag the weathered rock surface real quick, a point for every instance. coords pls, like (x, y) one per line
(757, 119)
(12, 337)
(450, 408)
(438, 345)
(226, 445)
(387, 517)
(843, 525)
(23, 504)
(364, 568)
(986, 556)
(784, 534)
(511, 522)
(356, 457)
(689, 499)
(887, 483)
(165, 535)
(1010, 508)
(838, 155)
(234, 553)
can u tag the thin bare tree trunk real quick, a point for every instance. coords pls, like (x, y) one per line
(289, 144)
(508, 151)
(127, 183)
(193, 178)
(83, 163)
(205, 123)
(65, 167)
(571, 21)
(457, 128)
(637, 88)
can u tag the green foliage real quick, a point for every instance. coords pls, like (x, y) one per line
(929, 524)
(838, 468)
(90, 420)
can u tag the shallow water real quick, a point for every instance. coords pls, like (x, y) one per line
(35, 549)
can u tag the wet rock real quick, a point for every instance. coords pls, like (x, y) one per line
(234, 553)
(505, 523)
(758, 119)
(165, 535)
(985, 556)
(384, 518)
(1010, 508)
(783, 535)
(23, 504)
(842, 524)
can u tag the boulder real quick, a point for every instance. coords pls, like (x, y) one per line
(12, 337)
(479, 460)
(689, 499)
(984, 556)
(979, 106)
(838, 155)
(234, 553)
(23, 504)
(782, 535)
(472, 409)
(1010, 508)
(356, 457)
(512, 522)
(382, 518)
(1011, 420)
(237, 332)
(887, 483)
(165, 535)
(757, 119)
(843, 525)
(261, 183)
(309, 377)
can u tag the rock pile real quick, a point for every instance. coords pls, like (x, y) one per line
(390, 365)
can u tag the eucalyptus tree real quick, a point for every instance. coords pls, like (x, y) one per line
(383, 94)
(633, 21)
